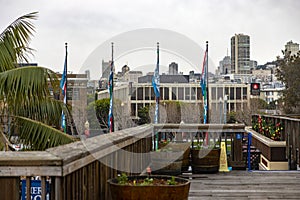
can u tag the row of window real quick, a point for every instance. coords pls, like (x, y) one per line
(189, 93)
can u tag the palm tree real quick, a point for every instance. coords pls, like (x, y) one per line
(26, 105)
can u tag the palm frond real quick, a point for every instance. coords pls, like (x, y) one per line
(40, 136)
(14, 41)
(26, 84)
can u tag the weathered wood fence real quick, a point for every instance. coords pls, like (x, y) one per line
(230, 132)
(80, 170)
(291, 134)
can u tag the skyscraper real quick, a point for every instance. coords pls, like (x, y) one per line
(291, 48)
(173, 68)
(240, 54)
(105, 69)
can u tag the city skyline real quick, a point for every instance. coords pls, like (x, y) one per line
(86, 25)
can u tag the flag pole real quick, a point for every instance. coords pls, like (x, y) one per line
(207, 90)
(112, 87)
(207, 95)
(66, 72)
(157, 98)
(111, 92)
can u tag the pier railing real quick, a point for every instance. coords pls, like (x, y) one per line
(80, 170)
(290, 135)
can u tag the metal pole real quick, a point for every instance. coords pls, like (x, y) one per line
(207, 88)
(66, 72)
(249, 151)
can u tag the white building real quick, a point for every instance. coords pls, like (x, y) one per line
(137, 95)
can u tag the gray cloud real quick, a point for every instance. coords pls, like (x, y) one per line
(87, 24)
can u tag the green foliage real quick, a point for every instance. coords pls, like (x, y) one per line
(232, 118)
(147, 181)
(91, 116)
(122, 179)
(288, 73)
(143, 114)
(14, 41)
(268, 128)
(172, 181)
(102, 109)
(24, 91)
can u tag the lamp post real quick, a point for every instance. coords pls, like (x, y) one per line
(225, 108)
(87, 129)
(221, 109)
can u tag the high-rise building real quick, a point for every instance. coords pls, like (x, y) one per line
(291, 48)
(173, 68)
(225, 65)
(105, 69)
(240, 54)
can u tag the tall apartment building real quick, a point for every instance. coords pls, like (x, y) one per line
(105, 69)
(173, 68)
(240, 54)
(292, 48)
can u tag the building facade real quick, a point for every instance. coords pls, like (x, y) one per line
(291, 48)
(240, 54)
(229, 97)
(77, 98)
(225, 65)
(173, 68)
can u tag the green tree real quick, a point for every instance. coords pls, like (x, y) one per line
(122, 118)
(26, 105)
(102, 109)
(144, 117)
(288, 73)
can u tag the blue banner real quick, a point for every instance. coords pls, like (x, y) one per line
(35, 190)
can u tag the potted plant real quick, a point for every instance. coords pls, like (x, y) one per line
(205, 159)
(151, 187)
(171, 159)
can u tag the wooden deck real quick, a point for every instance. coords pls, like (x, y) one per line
(245, 185)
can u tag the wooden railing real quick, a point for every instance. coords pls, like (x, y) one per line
(291, 135)
(231, 133)
(80, 170)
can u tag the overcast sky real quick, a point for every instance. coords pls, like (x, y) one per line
(86, 24)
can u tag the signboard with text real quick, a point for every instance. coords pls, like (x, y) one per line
(36, 190)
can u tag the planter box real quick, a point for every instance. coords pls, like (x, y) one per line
(172, 159)
(205, 160)
(273, 153)
(150, 192)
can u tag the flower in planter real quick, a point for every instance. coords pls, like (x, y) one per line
(268, 129)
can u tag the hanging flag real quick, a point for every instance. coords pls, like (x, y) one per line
(155, 84)
(111, 90)
(63, 86)
(203, 85)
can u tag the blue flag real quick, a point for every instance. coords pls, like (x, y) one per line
(203, 85)
(63, 86)
(155, 84)
(111, 90)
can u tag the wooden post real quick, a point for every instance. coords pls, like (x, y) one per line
(43, 186)
(59, 189)
(10, 187)
(28, 187)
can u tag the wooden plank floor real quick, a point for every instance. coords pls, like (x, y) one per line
(245, 185)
